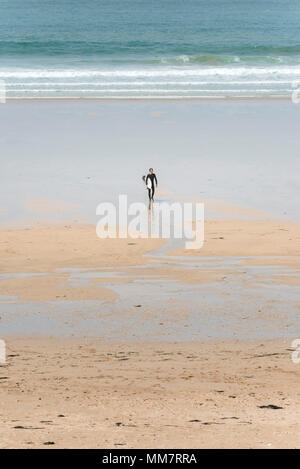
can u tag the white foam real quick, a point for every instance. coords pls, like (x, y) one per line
(145, 90)
(148, 83)
(292, 71)
(151, 82)
(123, 97)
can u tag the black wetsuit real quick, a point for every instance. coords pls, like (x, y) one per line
(151, 191)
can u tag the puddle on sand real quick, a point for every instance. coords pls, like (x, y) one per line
(241, 306)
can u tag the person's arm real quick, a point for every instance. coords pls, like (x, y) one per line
(155, 179)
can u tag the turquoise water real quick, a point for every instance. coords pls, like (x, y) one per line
(149, 48)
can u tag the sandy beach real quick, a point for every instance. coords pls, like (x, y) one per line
(147, 390)
(56, 249)
(173, 126)
(139, 343)
(83, 393)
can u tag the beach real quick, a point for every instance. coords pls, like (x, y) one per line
(64, 157)
(93, 362)
(140, 343)
(143, 338)
(82, 393)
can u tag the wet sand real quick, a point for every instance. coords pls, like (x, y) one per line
(144, 383)
(62, 158)
(63, 280)
(138, 343)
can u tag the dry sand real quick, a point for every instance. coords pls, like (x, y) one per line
(47, 248)
(84, 393)
(248, 238)
(48, 288)
(50, 248)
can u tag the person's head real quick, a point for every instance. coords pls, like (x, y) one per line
(150, 170)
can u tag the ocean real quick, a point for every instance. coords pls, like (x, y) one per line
(120, 49)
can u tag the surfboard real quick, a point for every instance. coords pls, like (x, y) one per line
(149, 183)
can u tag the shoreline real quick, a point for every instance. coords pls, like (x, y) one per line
(158, 99)
(177, 138)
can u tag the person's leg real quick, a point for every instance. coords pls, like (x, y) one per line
(149, 193)
(153, 190)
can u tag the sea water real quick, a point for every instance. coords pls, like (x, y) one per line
(149, 48)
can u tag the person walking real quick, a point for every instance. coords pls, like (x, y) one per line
(151, 183)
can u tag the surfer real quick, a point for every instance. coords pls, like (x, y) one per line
(151, 183)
